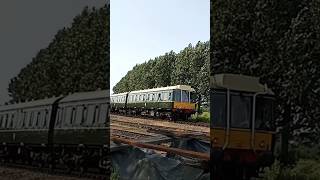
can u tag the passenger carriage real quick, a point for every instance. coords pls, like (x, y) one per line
(72, 130)
(173, 101)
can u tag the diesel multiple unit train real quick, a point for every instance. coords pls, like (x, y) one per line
(70, 131)
(175, 102)
(241, 134)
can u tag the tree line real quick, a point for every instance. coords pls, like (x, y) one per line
(188, 67)
(75, 60)
(279, 41)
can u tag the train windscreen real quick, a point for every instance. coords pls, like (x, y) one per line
(185, 96)
(177, 95)
(264, 113)
(219, 109)
(241, 110)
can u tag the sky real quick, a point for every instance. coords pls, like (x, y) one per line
(28, 26)
(143, 29)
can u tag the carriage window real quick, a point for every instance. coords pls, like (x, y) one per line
(6, 121)
(165, 96)
(95, 115)
(45, 119)
(2, 120)
(37, 120)
(84, 115)
(264, 113)
(24, 119)
(79, 115)
(185, 96)
(159, 97)
(57, 122)
(1, 117)
(90, 115)
(30, 120)
(219, 106)
(170, 97)
(103, 114)
(12, 120)
(177, 95)
(241, 109)
(73, 115)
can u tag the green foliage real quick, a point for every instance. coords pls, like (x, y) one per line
(279, 41)
(305, 169)
(75, 60)
(114, 174)
(203, 117)
(189, 67)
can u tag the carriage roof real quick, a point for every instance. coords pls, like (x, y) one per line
(30, 104)
(82, 96)
(182, 87)
(238, 82)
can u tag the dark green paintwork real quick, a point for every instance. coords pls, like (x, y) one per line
(90, 136)
(27, 137)
(61, 136)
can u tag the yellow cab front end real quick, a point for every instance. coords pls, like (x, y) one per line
(241, 116)
(184, 100)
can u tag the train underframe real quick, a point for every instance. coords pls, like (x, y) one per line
(73, 158)
(239, 164)
(172, 114)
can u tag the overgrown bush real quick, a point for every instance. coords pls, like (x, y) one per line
(203, 117)
(114, 174)
(304, 169)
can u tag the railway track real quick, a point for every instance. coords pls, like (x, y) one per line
(150, 127)
(63, 173)
(201, 124)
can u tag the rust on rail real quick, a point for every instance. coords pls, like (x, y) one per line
(181, 152)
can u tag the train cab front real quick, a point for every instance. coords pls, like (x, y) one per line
(241, 122)
(184, 101)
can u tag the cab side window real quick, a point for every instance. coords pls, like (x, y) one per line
(185, 96)
(177, 95)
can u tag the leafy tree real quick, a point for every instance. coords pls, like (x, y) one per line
(75, 60)
(279, 42)
(189, 67)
